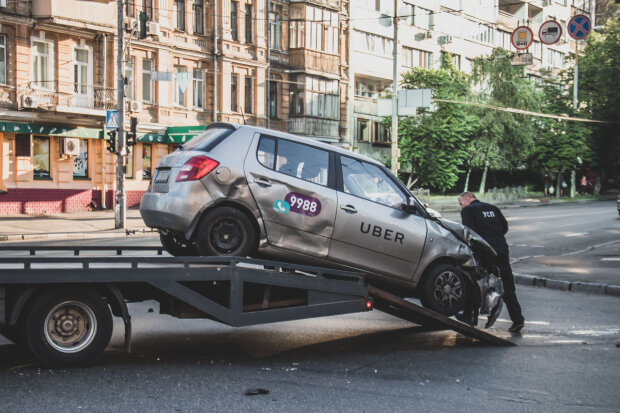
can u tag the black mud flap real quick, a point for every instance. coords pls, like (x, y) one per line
(409, 311)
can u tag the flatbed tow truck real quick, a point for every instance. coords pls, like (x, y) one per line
(60, 307)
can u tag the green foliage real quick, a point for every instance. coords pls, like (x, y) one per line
(434, 143)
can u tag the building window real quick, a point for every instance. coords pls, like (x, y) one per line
(248, 23)
(417, 58)
(198, 88)
(362, 130)
(22, 144)
(321, 30)
(80, 162)
(275, 28)
(80, 72)
(381, 133)
(147, 83)
(147, 7)
(233, 93)
(3, 46)
(248, 95)
(181, 81)
(179, 6)
(129, 168)
(423, 18)
(129, 83)
(129, 9)
(273, 99)
(42, 58)
(555, 58)
(233, 20)
(377, 5)
(198, 17)
(147, 151)
(322, 98)
(41, 157)
(372, 43)
(296, 34)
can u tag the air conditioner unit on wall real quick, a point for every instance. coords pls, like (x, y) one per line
(70, 146)
(135, 106)
(445, 39)
(28, 102)
(152, 29)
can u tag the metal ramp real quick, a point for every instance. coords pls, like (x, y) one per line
(409, 311)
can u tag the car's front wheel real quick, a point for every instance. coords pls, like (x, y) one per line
(445, 290)
(225, 231)
(177, 245)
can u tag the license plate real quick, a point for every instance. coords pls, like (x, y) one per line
(162, 176)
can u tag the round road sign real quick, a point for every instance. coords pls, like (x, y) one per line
(579, 27)
(522, 37)
(550, 32)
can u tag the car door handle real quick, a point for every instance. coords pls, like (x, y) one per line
(348, 208)
(262, 181)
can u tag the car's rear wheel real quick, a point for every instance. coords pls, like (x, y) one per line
(445, 290)
(225, 231)
(177, 245)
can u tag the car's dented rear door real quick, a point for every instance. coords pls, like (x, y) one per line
(290, 183)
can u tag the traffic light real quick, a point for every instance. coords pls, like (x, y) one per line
(131, 136)
(112, 141)
(142, 26)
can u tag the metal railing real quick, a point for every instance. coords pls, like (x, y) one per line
(509, 193)
(422, 195)
(52, 93)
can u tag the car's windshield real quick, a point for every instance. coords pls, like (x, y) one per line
(207, 140)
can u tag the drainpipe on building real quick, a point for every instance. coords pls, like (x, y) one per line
(215, 52)
(351, 89)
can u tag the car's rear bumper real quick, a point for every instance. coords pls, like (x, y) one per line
(175, 210)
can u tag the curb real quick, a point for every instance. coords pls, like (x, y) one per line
(569, 286)
(77, 235)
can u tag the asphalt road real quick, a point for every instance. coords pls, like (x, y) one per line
(567, 360)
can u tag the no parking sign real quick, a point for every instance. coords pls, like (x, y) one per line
(579, 27)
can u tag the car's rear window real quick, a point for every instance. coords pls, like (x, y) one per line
(207, 140)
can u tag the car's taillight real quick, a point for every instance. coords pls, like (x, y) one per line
(196, 168)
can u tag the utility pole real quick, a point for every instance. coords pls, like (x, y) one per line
(395, 94)
(575, 104)
(120, 205)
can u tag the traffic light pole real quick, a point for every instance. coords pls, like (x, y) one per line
(394, 146)
(120, 205)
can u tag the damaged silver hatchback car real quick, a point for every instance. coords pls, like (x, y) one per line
(247, 191)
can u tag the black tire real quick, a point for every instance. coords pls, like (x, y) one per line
(68, 328)
(225, 231)
(177, 245)
(445, 290)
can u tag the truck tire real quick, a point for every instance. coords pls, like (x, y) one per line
(177, 245)
(12, 333)
(67, 328)
(445, 290)
(225, 231)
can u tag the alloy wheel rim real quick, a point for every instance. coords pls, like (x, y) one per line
(448, 289)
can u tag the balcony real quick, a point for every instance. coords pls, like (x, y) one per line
(311, 59)
(67, 97)
(365, 105)
(71, 12)
(327, 128)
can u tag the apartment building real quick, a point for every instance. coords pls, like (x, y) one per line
(428, 28)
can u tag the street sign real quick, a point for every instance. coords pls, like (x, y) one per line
(579, 27)
(111, 119)
(522, 37)
(523, 59)
(550, 32)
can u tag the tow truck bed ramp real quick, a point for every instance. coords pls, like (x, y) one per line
(409, 311)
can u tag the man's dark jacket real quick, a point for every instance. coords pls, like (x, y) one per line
(488, 221)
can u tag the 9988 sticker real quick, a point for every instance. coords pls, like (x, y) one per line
(303, 204)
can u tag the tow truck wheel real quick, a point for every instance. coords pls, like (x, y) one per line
(68, 328)
(444, 290)
(225, 231)
(177, 245)
(11, 333)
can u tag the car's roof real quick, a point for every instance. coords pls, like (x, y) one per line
(298, 138)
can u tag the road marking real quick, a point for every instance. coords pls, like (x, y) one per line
(526, 245)
(610, 259)
(604, 244)
(577, 234)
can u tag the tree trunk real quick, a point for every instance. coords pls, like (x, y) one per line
(466, 188)
(558, 186)
(483, 181)
(573, 177)
(597, 187)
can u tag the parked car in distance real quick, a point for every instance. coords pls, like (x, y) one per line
(618, 202)
(248, 191)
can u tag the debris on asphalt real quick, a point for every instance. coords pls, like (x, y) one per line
(256, 392)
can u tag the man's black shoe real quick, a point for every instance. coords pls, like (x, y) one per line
(516, 327)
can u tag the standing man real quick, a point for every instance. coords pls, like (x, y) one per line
(489, 222)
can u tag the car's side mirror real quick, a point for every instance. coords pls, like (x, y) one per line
(410, 206)
(433, 213)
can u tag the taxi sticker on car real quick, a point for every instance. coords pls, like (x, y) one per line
(299, 204)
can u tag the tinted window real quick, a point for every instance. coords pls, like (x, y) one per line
(303, 161)
(207, 140)
(266, 152)
(368, 181)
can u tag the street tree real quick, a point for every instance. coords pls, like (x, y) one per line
(599, 92)
(503, 140)
(434, 142)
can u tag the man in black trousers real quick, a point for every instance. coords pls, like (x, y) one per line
(489, 222)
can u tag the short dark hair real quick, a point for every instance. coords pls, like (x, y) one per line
(467, 194)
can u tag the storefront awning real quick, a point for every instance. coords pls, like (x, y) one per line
(182, 134)
(50, 130)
